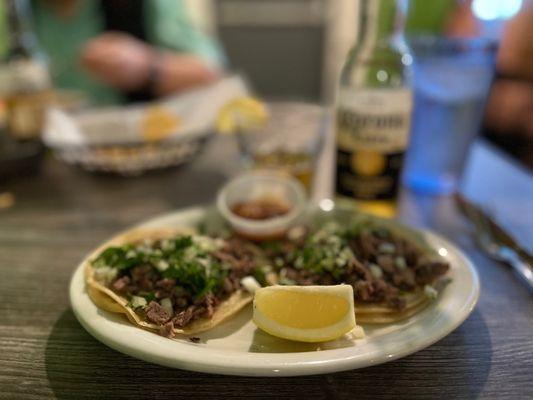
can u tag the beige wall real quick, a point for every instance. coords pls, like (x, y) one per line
(339, 17)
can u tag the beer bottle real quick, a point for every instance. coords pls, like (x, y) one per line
(373, 111)
(25, 85)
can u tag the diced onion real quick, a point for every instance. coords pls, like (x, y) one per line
(376, 271)
(162, 265)
(166, 303)
(430, 292)
(386, 248)
(250, 284)
(296, 233)
(105, 274)
(137, 301)
(400, 263)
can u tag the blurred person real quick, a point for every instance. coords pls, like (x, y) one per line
(508, 119)
(124, 50)
(509, 116)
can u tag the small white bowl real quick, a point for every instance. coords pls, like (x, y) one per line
(257, 185)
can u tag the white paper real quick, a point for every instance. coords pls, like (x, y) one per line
(197, 111)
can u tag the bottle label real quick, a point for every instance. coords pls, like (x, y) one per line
(376, 120)
(23, 76)
(372, 135)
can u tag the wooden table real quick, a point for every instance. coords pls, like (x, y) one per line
(63, 213)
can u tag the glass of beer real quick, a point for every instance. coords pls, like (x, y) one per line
(289, 141)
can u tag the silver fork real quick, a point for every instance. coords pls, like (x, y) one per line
(493, 246)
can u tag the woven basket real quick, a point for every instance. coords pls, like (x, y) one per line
(134, 159)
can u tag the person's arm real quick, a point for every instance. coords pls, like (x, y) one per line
(179, 56)
(128, 64)
(515, 55)
(173, 72)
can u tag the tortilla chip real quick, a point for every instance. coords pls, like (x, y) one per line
(106, 299)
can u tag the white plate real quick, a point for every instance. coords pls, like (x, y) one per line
(237, 347)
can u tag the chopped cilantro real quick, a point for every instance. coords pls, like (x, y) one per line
(327, 250)
(195, 277)
(323, 253)
(180, 258)
(122, 258)
(273, 246)
(260, 274)
(148, 296)
(182, 242)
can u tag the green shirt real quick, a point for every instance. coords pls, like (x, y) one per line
(167, 25)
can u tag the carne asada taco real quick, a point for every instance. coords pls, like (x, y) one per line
(393, 272)
(170, 282)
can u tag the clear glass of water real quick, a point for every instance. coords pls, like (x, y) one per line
(451, 82)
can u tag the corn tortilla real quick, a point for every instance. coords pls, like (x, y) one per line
(105, 299)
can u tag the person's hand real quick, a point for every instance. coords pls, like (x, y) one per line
(118, 59)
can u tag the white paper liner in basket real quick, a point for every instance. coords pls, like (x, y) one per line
(113, 140)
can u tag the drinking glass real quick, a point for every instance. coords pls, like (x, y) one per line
(290, 141)
(452, 77)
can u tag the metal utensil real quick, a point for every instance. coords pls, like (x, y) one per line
(498, 244)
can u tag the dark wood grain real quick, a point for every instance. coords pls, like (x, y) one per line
(63, 213)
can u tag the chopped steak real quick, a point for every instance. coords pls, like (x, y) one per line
(199, 312)
(386, 262)
(143, 276)
(156, 313)
(165, 288)
(121, 284)
(229, 285)
(359, 269)
(374, 261)
(404, 279)
(210, 303)
(169, 275)
(167, 330)
(236, 252)
(166, 284)
(366, 246)
(181, 302)
(428, 271)
(184, 317)
(363, 290)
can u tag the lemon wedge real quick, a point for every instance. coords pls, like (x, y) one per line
(305, 313)
(240, 114)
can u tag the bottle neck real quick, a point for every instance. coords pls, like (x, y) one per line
(22, 41)
(378, 22)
